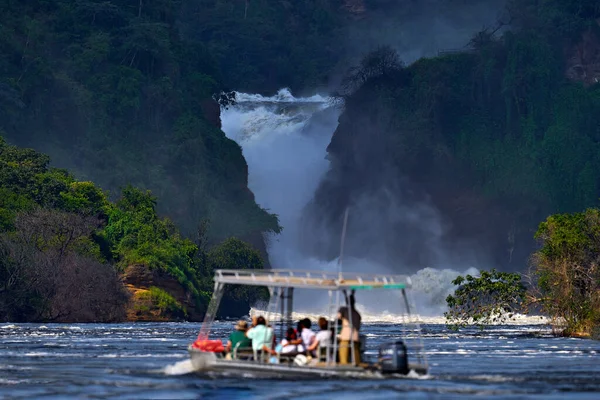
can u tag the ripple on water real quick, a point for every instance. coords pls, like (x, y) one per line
(150, 361)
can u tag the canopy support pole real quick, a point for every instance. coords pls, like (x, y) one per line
(289, 307)
(211, 311)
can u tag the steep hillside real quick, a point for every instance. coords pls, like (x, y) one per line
(68, 254)
(454, 160)
(109, 90)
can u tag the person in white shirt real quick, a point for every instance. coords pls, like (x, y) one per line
(307, 336)
(322, 338)
(287, 345)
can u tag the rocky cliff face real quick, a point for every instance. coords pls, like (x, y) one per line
(138, 279)
(418, 212)
(583, 59)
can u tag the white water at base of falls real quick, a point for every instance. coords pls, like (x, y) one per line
(284, 141)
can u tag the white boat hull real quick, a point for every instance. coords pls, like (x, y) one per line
(205, 362)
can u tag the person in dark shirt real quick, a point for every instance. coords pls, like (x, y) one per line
(238, 336)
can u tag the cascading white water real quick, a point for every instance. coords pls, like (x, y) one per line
(285, 150)
(284, 141)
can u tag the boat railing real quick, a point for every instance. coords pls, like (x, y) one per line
(315, 279)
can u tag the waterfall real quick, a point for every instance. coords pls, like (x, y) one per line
(284, 140)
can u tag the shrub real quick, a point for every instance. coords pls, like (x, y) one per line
(493, 297)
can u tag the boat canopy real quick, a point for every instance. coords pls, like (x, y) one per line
(311, 279)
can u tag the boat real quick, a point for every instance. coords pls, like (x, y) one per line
(399, 358)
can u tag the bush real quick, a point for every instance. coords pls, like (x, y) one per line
(49, 271)
(161, 302)
(236, 254)
(493, 297)
(567, 270)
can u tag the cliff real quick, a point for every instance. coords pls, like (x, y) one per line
(142, 283)
(583, 59)
(454, 160)
(126, 101)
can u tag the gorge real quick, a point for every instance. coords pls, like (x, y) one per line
(448, 162)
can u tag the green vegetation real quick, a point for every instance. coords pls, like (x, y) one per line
(261, 45)
(120, 93)
(564, 281)
(165, 305)
(489, 298)
(567, 272)
(230, 254)
(110, 91)
(63, 245)
(498, 136)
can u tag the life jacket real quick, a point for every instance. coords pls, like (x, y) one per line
(209, 346)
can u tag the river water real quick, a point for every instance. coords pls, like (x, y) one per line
(149, 361)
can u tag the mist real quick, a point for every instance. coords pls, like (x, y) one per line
(285, 139)
(415, 28)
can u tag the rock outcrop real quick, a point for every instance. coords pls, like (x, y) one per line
(583, 61)
(139, 279)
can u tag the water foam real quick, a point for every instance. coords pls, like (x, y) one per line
(283, 96)
(284, 140)
(179, 368)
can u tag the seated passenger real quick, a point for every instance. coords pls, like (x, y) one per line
(286, 345)
(237, 338)
(322, 339)
(261, 336)
(307, 335)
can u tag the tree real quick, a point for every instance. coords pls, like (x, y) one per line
(236, 254)
(51, 270)
(493, 297)
(567, 270)
(381, 61)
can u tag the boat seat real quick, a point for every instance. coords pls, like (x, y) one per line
(242, 352)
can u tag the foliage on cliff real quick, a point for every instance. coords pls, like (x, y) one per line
(497, 135)
(110, 91)
(261, 45)
(63, 245)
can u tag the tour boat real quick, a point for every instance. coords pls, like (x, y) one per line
(401, 357)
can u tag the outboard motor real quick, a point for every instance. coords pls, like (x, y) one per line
(393, 358)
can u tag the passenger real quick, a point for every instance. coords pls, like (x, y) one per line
(322, 339)
(262, 336)
(303, 325)
(238, 336)
(346, 335)
(286, 345)
(308, 336)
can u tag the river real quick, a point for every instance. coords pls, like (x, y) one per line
(149, 361)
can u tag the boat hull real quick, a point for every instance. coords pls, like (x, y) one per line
(204, 362)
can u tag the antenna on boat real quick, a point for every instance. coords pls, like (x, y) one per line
(343, 240)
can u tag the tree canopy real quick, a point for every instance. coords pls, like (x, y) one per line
(61, 239)
(492, 297)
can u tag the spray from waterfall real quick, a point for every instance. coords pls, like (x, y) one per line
(284, 141)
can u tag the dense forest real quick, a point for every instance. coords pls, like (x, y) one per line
(473, 148)
(110, 91)
(67, 253)
(457, 158)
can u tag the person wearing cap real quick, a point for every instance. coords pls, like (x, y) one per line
(238, 336)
